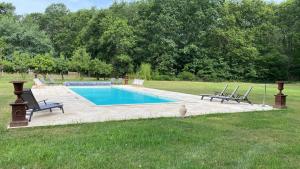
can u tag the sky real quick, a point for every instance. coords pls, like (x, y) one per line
(29, 6)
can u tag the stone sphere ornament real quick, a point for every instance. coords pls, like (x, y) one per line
(182, 111)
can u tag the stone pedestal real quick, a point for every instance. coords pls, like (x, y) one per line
(280, 101)
(18, 115)
(18, 107)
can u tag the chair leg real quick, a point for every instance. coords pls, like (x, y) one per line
(222, 101)
(31, 113)
(50, 110)
(62, 109)
(211, 99)
(248, 101)
(202, 97)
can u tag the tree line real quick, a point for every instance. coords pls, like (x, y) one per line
(250, 40)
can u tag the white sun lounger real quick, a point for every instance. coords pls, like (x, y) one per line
(138, 82)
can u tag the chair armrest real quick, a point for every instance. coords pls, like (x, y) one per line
(44, 101)
(238, 96)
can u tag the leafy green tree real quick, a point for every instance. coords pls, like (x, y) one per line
(100, 69)
(21, 62)
(90, 34)
(80, 61)
(7, 66)
(3, 47)
(43, 63)
(122, 65)
(145, 71)
(54, 23)
(289, 22)
(61, 65)
(213, 39)
(23, 37)
(117, 37)
(6, 9)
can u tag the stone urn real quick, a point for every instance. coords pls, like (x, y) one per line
(182, 111)
(126, 79)
(280, 98)
(280, 86)
(19, 106)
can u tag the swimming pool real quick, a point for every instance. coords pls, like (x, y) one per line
(117, 96)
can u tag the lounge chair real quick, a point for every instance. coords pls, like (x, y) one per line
(119, 81)
(222, 93)
(38, 83)
(240, 98)
(113, 81)
(35, 106)
(52, 81)
(226, 97)
(46, 82)
(138, 82)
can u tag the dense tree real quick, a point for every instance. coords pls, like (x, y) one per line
(54, 23)
(117, 37)
(80, 60)
(21, 61)
(289, 22)
(100, 69)
(43, 63)
(210, 39)
(24, 37)
(122, 65)
(61, 66)
(6, 9)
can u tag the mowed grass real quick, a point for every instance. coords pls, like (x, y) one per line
(242, 140)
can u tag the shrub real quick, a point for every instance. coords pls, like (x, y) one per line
(7, 66)
(188, 76)
(145, 71)
(157, 76)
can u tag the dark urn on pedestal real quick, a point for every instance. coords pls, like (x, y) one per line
(19, 106)
(126, 79)
(280, 98)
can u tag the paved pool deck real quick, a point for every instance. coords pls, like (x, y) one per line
(80, 110)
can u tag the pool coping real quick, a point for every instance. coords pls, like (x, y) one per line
(79, 110)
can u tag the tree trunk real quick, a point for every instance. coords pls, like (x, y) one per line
(62, 76)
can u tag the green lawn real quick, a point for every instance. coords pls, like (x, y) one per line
(242, 140)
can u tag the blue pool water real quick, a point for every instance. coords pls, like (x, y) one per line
(117, 96)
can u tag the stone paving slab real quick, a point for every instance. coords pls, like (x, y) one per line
(80, 110)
